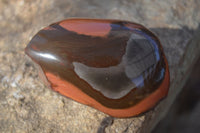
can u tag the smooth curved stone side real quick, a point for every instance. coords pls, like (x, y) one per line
(117, 67)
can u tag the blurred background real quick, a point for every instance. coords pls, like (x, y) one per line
(26, 105)
(184, 114)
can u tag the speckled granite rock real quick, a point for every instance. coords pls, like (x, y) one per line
(28, 106)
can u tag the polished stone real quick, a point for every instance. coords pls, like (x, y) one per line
(117, 67)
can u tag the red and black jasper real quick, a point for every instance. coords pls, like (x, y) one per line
(117, 67)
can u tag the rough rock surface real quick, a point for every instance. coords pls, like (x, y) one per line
(28, 106)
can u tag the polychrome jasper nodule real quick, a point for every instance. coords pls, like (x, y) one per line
(117, 67)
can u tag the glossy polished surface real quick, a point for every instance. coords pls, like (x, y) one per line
(117, 67)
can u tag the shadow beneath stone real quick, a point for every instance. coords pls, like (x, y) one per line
(184, 114)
